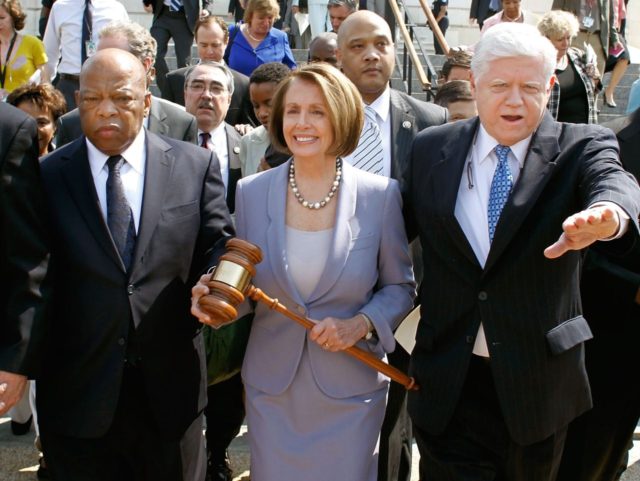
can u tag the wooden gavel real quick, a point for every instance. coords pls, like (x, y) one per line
(230, 282)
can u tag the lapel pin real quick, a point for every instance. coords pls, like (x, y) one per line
(406, 124)
(236, 150)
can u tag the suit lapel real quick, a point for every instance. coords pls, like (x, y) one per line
(233, 151)
(402, 133)
(77, 174)
(157, 118)
(158, 167)
(536, 172)
(447, 173)
(276, 233)
(342, 233)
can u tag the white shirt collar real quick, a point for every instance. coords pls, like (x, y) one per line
(381, 104)
(135, 155)
(484, 145)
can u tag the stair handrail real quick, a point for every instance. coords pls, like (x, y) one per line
(408, 44)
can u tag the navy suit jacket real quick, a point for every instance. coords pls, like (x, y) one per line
(529, 305)
(97, 302)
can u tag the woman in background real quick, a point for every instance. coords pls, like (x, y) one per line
(256, 41)
(22, 57)
(573, 96)
(45, 104)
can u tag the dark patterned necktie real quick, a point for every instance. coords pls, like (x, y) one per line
(204, 140)
(119, 215)
(87, 22)
(501, 186)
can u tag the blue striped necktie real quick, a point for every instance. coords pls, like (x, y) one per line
(175, 5)
(368, 155)
(501, 186)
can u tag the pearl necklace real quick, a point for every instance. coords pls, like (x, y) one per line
(327, 199)
(246, 29)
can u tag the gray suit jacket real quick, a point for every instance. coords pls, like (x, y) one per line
(165, 118)
(368, 270)
(529, 305)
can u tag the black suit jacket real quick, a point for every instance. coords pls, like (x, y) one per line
(24, 251)
(165, 118)
(235, 173)
(479, 10)
(240, 110)
(408, 117)
(96, 302)
(529, 305)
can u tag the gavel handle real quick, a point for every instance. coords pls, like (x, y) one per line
(395, 374)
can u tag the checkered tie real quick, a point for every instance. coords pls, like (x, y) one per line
(368, 155)
(500, 188)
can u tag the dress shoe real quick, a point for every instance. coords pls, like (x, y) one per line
(43, 471)
(219, 471)
(20, 429)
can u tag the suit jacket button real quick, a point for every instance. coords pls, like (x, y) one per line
(130, 289)
(301, 309)
(121, 341)
(482, 295)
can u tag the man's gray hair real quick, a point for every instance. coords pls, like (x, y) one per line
(141, 43)
(351, 5)
(508, 40)
(220, 66)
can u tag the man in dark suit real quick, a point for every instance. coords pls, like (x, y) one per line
(134, 219)
(24, 253)
(212, 36)
(598, 441)
(479, 11)
(164, 117)
(173, 19)
(207, 93)
(367, 57)
(502, 206)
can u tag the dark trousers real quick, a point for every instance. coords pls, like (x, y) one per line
(166, 26)
(394, 458)
(131, 450)
(224, 414)
(444, 25)
(598, 441)
(68, 86)
(476, 445)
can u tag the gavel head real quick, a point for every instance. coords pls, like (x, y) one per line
(229, 281)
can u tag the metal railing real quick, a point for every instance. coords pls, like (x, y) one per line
(426, 73)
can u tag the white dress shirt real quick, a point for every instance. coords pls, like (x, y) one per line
(218, 144)
(63, 36)
(131, 173)
(473, 199)
(382, 107)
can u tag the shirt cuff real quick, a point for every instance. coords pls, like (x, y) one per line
(623, 219)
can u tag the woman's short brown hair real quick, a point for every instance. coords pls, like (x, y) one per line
(267, 7)
(14, 9)
(44, 96)
(343, 101)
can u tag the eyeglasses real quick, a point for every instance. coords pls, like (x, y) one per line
(198, 87)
